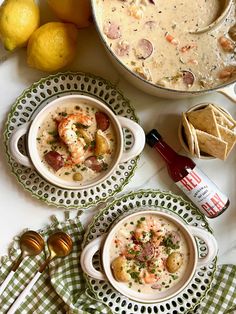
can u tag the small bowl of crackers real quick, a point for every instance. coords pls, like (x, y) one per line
(207, 131)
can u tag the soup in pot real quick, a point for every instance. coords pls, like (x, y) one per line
(76, 142)
(152, 38)
(149, 254)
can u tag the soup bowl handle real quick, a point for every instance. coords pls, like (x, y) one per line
(139, 138)
(13, 145)
(86, 259)
(210, 241)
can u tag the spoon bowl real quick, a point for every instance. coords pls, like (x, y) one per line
(225, 10)
(31, 244)
(59, 244)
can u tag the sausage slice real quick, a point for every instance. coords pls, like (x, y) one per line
(102, 120)
(54, 160)
(144, 49)
(188, 78)
(147, 253)
(112, 30)
(93, 163)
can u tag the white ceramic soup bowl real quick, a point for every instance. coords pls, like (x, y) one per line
(33, 158)
(106, 241)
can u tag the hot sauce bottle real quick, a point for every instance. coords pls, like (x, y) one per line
(190, 179)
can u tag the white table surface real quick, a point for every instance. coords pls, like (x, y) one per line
(18, 210)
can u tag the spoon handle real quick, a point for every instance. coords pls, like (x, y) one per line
(6, 281)
(24, 293)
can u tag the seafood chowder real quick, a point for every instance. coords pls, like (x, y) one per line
(154, 40)
(76, 142)
(149, 254)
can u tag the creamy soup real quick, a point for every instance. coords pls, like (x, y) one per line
(76, 142)
(149, 254)
(152, 38)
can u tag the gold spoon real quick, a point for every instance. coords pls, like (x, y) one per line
(60, 245)
(221, 18)
(31, 244)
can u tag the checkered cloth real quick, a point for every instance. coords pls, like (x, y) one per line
(221, 299)
(62, 288)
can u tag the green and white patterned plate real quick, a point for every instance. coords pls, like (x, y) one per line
(33, 100)
(166, 202)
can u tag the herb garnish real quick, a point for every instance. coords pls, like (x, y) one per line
(104, 166)
(135, 275)
(64, 114)
(168, 242)
(174, 277)
(54, 133)
(93, 143)
(80, 125)
(133, 252)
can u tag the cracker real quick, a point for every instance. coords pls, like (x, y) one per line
(229, 137)
(222, 117)
(196, 146)
(204, 120)
(211, 145)
(188, 133)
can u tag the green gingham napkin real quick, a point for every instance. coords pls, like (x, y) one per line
(70, 294)
(62, 289)
(221, 299)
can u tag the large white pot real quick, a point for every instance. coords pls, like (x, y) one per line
(228, 88)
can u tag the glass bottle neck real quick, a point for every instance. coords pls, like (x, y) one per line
(167, 153)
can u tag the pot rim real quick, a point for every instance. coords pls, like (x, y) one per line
(162, 88)
(140, 297)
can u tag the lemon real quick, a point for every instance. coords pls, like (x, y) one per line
(52, 46)
(18, 20)
(73, 11)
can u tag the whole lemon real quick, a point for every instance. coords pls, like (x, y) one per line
(52, 46)
(73, 11)
(18, 20)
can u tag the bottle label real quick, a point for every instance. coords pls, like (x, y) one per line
(203, 192)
